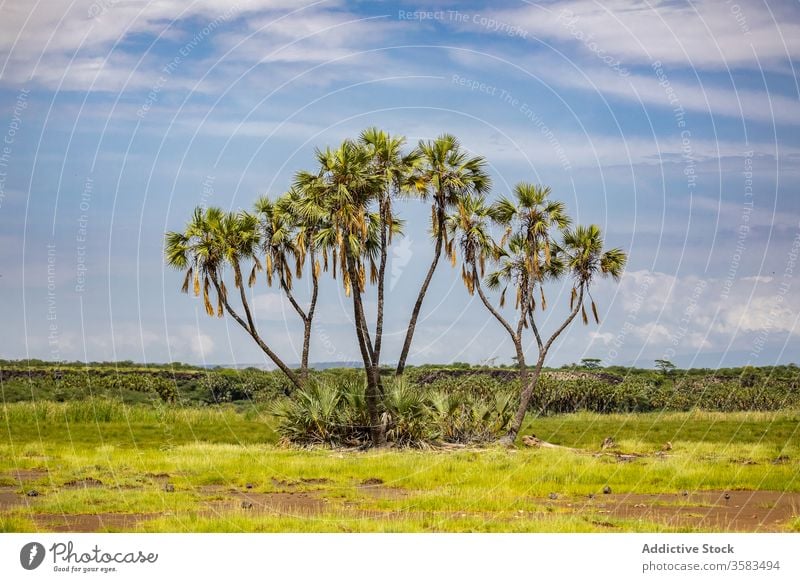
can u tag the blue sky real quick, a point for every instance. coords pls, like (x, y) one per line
(673, 125)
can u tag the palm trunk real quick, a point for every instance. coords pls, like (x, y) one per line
(381, 284)
(437, 253)
(308, 320)
(251, 329)
(525, 398)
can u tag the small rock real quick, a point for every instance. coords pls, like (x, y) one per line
(727, 496)
(591, 495)
(553, 496)
(249, 486)
(169, 488)
(685, 493)
(606, 490)
(33, 493)
(247, 505)
(667, 446)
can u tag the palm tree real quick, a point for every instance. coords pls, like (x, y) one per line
(286, 240)
(446, 174)
(339, 195)
(213, 241)
(527, 257)
(395, 168)
(581, 256)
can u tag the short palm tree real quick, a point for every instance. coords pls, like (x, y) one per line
(526, 258)
(445, 174)
(286, 241)
(580, 256)
(213, 241)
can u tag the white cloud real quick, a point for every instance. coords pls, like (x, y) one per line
(692, 313)
(699, 34)
(83, 44)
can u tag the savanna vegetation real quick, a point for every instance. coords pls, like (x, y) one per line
(102, 447)
(341, 218)
(99, 465)
(174, 447)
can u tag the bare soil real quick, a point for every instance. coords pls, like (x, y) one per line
(742, 511)
(25, 475)
(734, 511)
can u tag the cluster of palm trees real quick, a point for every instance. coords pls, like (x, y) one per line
(341, 219)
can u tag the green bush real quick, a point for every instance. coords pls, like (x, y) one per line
(335, 414)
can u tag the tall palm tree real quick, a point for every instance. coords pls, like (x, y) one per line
(340, 195)
(395, 168)
(213, 241)
(445, 174)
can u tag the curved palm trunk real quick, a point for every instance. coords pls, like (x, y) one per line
(412, 324)
(525, 398)
(516, 336)
(249, 326)
(308, 320)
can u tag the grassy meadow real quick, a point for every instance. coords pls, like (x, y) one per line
(103, 465)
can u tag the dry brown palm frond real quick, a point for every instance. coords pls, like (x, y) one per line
(207, 299)
(251, 280)
(373, 272)
(185, 286)
(594, 312)
(196, 284)
(583, 315)
(544, 301)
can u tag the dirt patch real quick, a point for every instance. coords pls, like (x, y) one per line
(734, 511)
(25, 475)
(291, 483)
(372, 481)
(10, 498)
(82, 523)
(382, 492)
(290, 502)
(87, 483)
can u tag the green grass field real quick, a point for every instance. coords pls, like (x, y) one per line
(100, 465)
